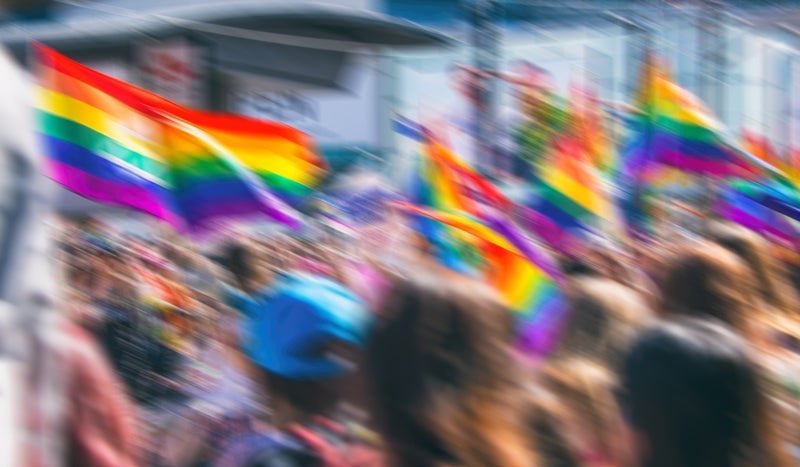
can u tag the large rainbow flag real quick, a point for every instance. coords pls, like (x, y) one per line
(118, 144)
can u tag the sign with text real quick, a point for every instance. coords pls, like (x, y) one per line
(174, 69)
(330, 116)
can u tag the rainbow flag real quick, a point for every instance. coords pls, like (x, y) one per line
(548, 117)
(462, 180)
(672, 127)
(118, 144)
(444, 182)
(590, 128)
(524, 276)
(793, 165)
(430, 188)
(569, 195)
(760, 147)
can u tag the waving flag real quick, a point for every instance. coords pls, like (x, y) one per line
(568, 200)
(590, 129)
(569, 195)
(523, 275)
(118, 144)
(672, 127)
(760, 147)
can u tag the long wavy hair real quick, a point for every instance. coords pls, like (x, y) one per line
(771, 278)
(707, 280)
(604, 316)
(445, 386)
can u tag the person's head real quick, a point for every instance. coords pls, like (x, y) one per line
(533, 74)
(706, 280)
(611, 264)
(604, 316)
(247, 264)
(443, 382)
(693, 396)
(466, 83)
(574, 267)
(576, 400)
(310, 346)
(771, 281)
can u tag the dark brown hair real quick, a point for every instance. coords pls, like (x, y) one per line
(693, 391)
(445, 386)
(707, 280)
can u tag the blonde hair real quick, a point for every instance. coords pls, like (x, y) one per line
(584, 411)
(605, 315)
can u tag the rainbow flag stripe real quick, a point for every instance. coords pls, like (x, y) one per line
(118, 144)
(742, 202)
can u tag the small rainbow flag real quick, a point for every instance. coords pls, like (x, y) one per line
(672, 127)
(590, 128)
(444, 182)
(525, 277)
(118, 144)
(430, 188)
(569, 193)
(760, 147)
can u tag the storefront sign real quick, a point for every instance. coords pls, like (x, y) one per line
(174, 69)
(331, 116)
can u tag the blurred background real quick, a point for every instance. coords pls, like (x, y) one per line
(304, 63)
(355, 76)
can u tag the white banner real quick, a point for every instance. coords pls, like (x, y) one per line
(331, 116)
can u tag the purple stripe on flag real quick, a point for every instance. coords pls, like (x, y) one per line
(540, 336)
(108, 192)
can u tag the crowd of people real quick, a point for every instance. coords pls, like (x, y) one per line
(281, 351)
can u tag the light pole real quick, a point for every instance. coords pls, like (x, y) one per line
(711, 56)
(485, 42)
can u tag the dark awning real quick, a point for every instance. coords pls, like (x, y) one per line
(344, 27)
